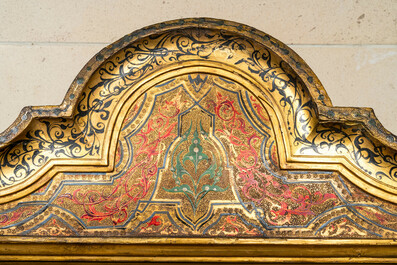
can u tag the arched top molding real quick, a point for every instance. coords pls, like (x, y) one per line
(81, 133)
(198, 140)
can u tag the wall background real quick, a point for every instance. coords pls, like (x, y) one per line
(350, 45)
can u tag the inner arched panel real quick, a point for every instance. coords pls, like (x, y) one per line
(197, 157)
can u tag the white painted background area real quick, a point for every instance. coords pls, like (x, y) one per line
(350, 45)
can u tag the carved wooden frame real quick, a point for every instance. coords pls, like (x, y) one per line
(81, 135)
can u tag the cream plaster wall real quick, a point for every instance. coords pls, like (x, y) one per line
(350, 45)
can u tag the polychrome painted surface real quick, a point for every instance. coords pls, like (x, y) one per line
(198, 128)
(197, 157)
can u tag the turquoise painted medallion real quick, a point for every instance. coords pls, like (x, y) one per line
(197, 186)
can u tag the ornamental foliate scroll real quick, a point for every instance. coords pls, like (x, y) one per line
(196, 132)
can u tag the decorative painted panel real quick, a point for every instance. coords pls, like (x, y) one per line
(199, 129)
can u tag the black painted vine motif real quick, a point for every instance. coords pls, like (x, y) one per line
(81, 137)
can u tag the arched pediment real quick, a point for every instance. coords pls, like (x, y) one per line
(198, 128)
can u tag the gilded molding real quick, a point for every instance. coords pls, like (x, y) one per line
(206, 129)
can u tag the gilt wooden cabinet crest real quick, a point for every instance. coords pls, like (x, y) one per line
(198, 140)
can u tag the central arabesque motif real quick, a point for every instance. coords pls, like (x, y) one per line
(194, 189)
